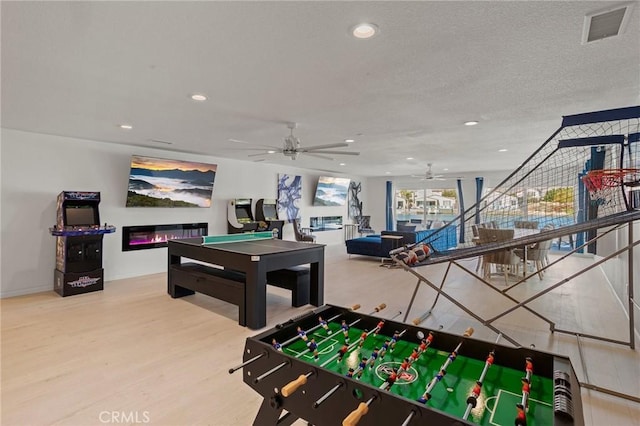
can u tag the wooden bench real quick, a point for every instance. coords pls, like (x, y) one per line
(227, 285)
(296, 279)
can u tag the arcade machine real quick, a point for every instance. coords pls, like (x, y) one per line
(239, 217)
(267, 212)
(78, 243)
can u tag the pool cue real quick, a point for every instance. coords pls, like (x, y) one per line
(247, 362)
(472, 400)
(327, 395)
(354, 417)
(293, 385)
(426, 396)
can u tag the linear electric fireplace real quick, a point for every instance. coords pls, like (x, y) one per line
(153, 236)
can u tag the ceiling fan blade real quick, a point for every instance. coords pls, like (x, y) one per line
(258, 154)
(311, 154)
(336, 152)
(254, 144)
(316, 147)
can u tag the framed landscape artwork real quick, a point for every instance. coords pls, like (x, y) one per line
(158, 182)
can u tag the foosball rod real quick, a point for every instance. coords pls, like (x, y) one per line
(354, 417)
(247, 362)
(526, 386)
(473, 398)
(314, 328)
(349, 347)
(327, 395)
(273, 370)
(408, 419)
(468, 332)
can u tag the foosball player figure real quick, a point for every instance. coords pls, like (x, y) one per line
(361, 367)
(423, 345)
(324, 325)
(391, 379)
(343, 350)
(453, 355)
(394, 339)
(405, 365)
(378, 327)
(414, 355)
(521, 417)
(277, 346)
(350, 373)
(475, 393)
(384, 348)
(313, 347)
(302, 334)
(490, 358)
(345, 330)
(424, 398)
(363, 336)
(374, 356)
(528, 365)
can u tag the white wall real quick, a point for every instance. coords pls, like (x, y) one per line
(35, 168)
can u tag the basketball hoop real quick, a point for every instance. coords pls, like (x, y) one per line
(597, 180)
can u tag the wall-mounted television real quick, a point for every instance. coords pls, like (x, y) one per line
(158, 182)
(331, 191)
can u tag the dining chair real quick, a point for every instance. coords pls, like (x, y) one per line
(504, 260)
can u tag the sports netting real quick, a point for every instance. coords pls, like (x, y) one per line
(589, 169)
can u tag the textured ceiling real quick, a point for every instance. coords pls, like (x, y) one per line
(81, 68)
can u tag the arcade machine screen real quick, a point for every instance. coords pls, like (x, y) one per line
(84, 215)
(242, 214)
(269, 211)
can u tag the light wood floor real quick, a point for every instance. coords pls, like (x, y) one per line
(132, 350)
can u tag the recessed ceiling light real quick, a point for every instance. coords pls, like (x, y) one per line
(271, 151)
(349, 140)
(470, 123)
(198, 97)
(126, 126)
(503, 150)
(364, 30)
(343, 164)
(445, 170)
(409, 158)
(387, 173)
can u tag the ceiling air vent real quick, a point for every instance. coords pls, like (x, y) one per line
(606, 23)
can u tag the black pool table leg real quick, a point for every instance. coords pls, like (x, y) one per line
(316, 283)
(256, 296)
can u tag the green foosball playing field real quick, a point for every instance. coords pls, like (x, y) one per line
(501, 388)
(337, 366)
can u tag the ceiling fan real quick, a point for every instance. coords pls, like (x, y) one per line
(429, 175)
(292, 147)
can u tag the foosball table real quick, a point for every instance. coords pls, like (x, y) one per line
(335, 365)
